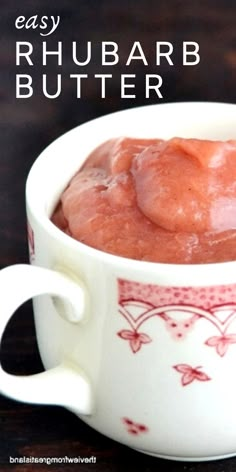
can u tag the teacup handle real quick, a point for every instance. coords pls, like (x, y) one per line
(65, 385)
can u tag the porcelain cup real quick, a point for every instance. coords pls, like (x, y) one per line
(143, 352)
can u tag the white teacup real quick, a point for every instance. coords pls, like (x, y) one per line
(143, 352)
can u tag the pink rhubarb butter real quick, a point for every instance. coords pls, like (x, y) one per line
(148, 199)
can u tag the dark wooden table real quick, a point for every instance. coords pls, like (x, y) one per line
(28, 125)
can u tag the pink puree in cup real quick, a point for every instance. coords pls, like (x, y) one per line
(148, 199)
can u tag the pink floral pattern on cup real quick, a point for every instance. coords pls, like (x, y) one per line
(189, 374)
(221, 343)
(134, 428)
(135, 339)
(179, 308)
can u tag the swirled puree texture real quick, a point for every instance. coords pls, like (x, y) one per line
(154, 200)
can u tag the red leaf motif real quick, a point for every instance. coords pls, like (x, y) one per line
(134, 428)
(142, 427)
(213, 341)
(221, 343)
(135, 344)
(231, 338)
(126, 334)
(128, 421)
(190, 374)
(222, 348)
(201, 376)
(187, 378)
(135, 339)
(182, 368)
(144, 338)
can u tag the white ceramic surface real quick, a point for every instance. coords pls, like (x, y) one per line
(143, 352)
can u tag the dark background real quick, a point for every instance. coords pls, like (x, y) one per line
(28, 125)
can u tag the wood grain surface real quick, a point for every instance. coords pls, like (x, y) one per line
(28, 125)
